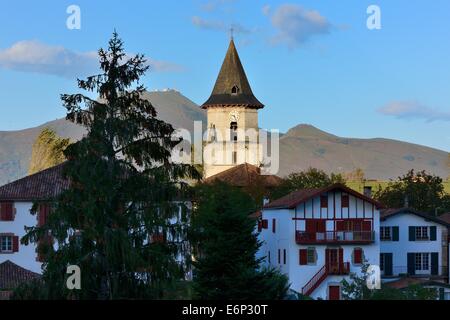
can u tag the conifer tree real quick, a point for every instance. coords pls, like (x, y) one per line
(118, 220)
(225, 242)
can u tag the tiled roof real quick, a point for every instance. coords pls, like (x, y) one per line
(445, 217)
(245, 175)
(232, 74)
(295, 198)
(387, 213)
(43, 185)
(11, 275)
(405, 282)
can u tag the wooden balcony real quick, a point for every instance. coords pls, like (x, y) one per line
(337, 237)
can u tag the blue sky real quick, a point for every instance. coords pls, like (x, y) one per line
(310, 61)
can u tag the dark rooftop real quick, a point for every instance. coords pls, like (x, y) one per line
(12, 275)
(232, 87)
(42, 185)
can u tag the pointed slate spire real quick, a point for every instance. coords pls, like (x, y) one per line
(232, 87)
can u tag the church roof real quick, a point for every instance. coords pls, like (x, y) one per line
(245, 175)
(232, 87)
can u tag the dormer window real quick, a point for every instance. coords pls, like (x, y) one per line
(235, 90)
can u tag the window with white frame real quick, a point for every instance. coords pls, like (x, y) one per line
(422, 233)
(385, 233)
(422, 261)
(6, 244)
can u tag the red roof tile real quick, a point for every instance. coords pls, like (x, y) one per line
(43, 185)
(445, 217)
(295, 198)
(387, 213)
(11, 275)
(245, 175)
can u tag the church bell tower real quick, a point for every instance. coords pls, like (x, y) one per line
(232, 112)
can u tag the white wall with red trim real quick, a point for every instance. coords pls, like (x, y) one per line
(286, 225)
(25, 255)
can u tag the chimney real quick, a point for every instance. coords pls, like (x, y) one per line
(368, 191)
(265, 201)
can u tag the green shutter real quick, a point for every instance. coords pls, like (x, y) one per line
(433, 232)
(434, 263)
(412, 233)
(411, 263)
(387, 264)
(441, 294)
(394, 233)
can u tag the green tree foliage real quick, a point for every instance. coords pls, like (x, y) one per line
(113, 221)
(48, 151)
(356, 289)
(424, 192)
(311, 178)
(356, 175)
(225, 243)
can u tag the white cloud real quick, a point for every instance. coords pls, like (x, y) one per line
(413, 110)
(37, 57)
(266, 10)
(296, 25)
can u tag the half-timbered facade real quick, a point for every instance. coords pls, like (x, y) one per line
(318, 236)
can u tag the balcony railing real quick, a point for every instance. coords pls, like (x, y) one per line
(342, 268)
(354, 237)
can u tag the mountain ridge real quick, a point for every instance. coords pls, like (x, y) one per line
(301, 147)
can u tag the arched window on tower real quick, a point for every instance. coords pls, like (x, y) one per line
(233, 131)
(235, 90)
(213, 132)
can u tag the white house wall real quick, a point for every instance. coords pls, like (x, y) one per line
(400, 249)
(26, 256)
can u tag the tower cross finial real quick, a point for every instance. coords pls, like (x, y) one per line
(231, 32)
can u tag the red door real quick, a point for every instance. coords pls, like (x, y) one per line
(334, 260)
(334, 293)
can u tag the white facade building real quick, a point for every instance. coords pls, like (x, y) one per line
(413, 244)
(318, 236)
(16, 201)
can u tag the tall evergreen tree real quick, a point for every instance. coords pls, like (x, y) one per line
(118, 220)
(225, 242)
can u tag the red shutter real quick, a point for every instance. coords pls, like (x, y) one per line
(265, 224)
(344, 201)
(6, 211)
(259, 226)
(44, 210)
(274, 225)
(303, 256)
(366, 226)
(321, 225)
(15, 243)
(357, 255)
(324, 201)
